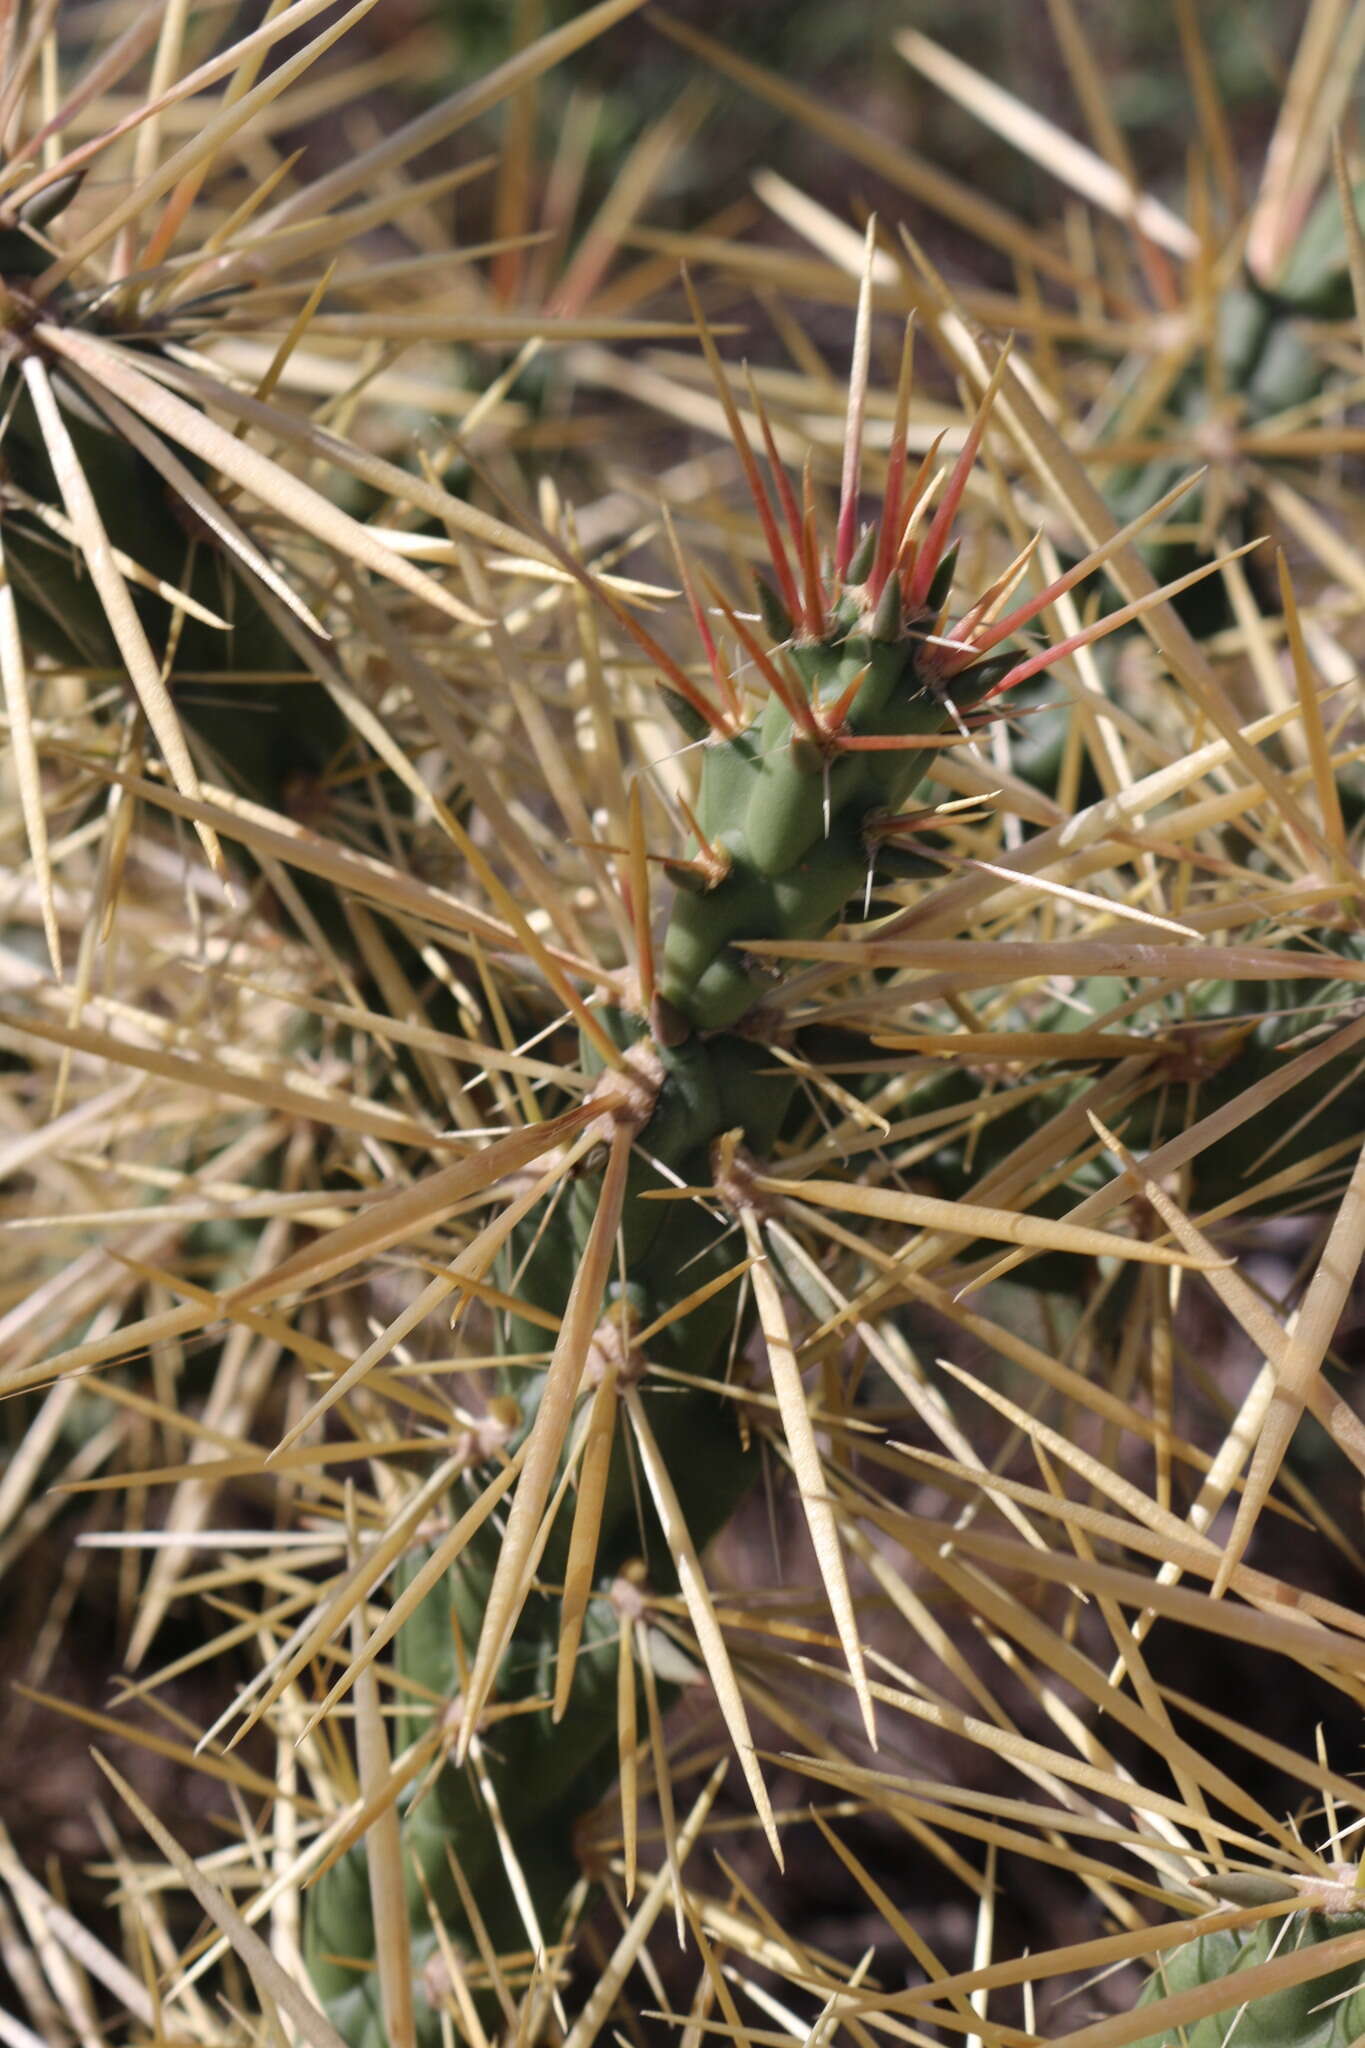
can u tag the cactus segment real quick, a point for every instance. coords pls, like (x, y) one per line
(798, 801)
(242, 697)
(796, 829)
(271, 733)
(861, 688)
(546, 1775)
(1265, 366)
(815, 734)
(1324, 2012)
(795, 817)
(785, 832)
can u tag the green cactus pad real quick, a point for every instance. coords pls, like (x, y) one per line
(1324, 2012)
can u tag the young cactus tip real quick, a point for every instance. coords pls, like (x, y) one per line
(862, 675)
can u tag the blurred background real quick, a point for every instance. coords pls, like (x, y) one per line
(843, 55)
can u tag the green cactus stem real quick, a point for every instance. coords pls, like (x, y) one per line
(272, 735)
(1326, 2009)
(800, 794)
(124, 555)
(1259, 363)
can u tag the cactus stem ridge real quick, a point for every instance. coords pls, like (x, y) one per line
(712, 861)
(627, 1109)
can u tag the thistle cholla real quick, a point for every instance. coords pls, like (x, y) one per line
(1291, 1981)
(537, 1597)
(862, 676)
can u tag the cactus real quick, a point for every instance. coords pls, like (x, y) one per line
(1257, 363)
(1325, 2009)
(111, 438)
(208, 641)
(800, 819)
(274, 735)
(798, 802)
(521, 1619)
